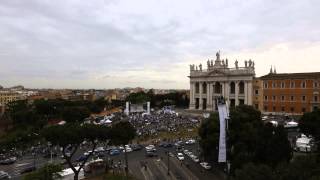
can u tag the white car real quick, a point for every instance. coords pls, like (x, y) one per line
(151, 148)
(195, 158)
(191, 141)
(180, 156)
(205, 165)
(4, 175)
(128, 149)
(185, 151)
(99, 149)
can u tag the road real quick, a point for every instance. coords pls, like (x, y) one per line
(156, 167)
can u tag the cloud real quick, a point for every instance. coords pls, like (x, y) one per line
(149, 43)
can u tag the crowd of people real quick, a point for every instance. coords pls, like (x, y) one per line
(161, 121)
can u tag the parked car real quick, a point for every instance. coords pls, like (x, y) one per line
(194, 158)
(151, 148)
(114, 152)
(190, 141)
(81, 158)
(136, 147)
(205, 165)
(151, 154)
(180, 156)
(8, 161)
(4, 175)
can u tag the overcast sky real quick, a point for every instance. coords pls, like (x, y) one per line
(149, 43)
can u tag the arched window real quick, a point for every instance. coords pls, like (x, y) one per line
(232, 88)
(241, 87)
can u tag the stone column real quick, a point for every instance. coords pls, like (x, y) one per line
(200, 95)
(209, 97)
(227, 91)
(250, 94)
(246, 92)
(222, 88)
(236, 96)
(192, 92)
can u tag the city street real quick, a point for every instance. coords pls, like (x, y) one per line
(156, 167)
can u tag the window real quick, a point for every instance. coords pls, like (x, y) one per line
(315, 84)
(315, 98)
(257, 92)
(292, 84)
(274, 85)
(303, 98)
(241, 87)
(265, 85)
(283, 109)
(282, 98)
(292, 109)
(282, 85)
(292, 98)
(204, 88)
(274, 98)
(303, 109)
(303, 84)
(274, 108)
(265, 108)
(197, 87)
(256, 106)
(266, 98)
(232, 88)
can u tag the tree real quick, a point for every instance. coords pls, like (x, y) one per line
(48, 172)
(249, 140)
(139, 97)
(121, 134)
(310, 125)
(252, 171)
(70, 136)
(301, 168)
(209, 134)
(75, 114)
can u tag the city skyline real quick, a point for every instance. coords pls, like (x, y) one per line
(150, 44)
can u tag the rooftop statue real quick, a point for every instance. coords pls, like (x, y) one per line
(236, 64)
(250, 63)
(245, 63)
(218, 55)
(200, 67)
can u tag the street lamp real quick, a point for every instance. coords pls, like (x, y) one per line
(167, 152)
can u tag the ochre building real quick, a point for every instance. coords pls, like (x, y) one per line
(290, 93)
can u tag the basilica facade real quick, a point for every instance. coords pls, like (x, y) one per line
(234, 84)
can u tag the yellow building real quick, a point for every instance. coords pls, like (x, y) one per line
(257, 99)
(8, 96)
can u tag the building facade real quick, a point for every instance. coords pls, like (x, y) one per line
(218, 80)
(257, 93)
(290, 93)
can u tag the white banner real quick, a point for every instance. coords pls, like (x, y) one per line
(223, 114)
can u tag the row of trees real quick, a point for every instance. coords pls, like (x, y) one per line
(179, 99)
(255, 145)
(30, 126)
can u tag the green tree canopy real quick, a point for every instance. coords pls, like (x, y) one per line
(70, 136)
(249, 140)
(48, 172)
(310, 124)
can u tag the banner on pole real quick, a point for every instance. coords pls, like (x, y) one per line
(223, 114)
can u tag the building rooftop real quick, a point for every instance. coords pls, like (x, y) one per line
(312, 75)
